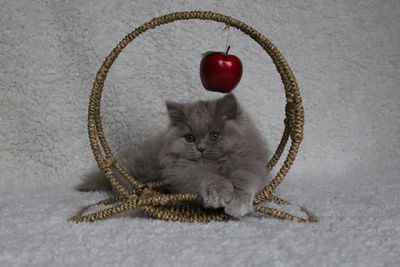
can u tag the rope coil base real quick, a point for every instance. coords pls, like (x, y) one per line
(185, 207)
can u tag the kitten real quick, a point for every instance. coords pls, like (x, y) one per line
(210, 148)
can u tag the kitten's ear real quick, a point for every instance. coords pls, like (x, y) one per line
(227, 107)
(175, 112)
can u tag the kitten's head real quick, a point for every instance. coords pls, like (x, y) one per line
(204, 129)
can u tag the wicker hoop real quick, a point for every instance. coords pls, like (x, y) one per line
(183, 207)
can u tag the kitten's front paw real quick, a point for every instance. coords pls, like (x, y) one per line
(240, 205)
(217, 194)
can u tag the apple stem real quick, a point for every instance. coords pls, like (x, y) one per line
(227, 50)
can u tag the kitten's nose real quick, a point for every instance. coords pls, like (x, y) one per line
(201, 148)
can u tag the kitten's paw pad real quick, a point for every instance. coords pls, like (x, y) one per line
(218, 195)
(239, 206)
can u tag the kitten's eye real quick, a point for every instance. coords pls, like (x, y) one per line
(213, 136)
(189, 138)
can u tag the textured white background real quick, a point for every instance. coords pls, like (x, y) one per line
(345, 55)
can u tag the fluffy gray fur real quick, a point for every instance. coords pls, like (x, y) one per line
(211, 148)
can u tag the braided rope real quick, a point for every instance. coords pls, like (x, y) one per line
(184, 207)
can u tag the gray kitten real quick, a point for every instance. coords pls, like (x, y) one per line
(210, 148)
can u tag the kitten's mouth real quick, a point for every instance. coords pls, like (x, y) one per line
(189, 159)
(210, 159)
(201, 157)
(213, 156)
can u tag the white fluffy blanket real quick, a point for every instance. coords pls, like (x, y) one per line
(359, 226)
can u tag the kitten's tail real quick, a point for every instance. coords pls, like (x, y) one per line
(94, 181)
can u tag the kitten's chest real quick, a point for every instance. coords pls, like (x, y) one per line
(221, 167)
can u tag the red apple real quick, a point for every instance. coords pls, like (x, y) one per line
(220, 72)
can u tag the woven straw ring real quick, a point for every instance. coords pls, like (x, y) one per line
(184, 207)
